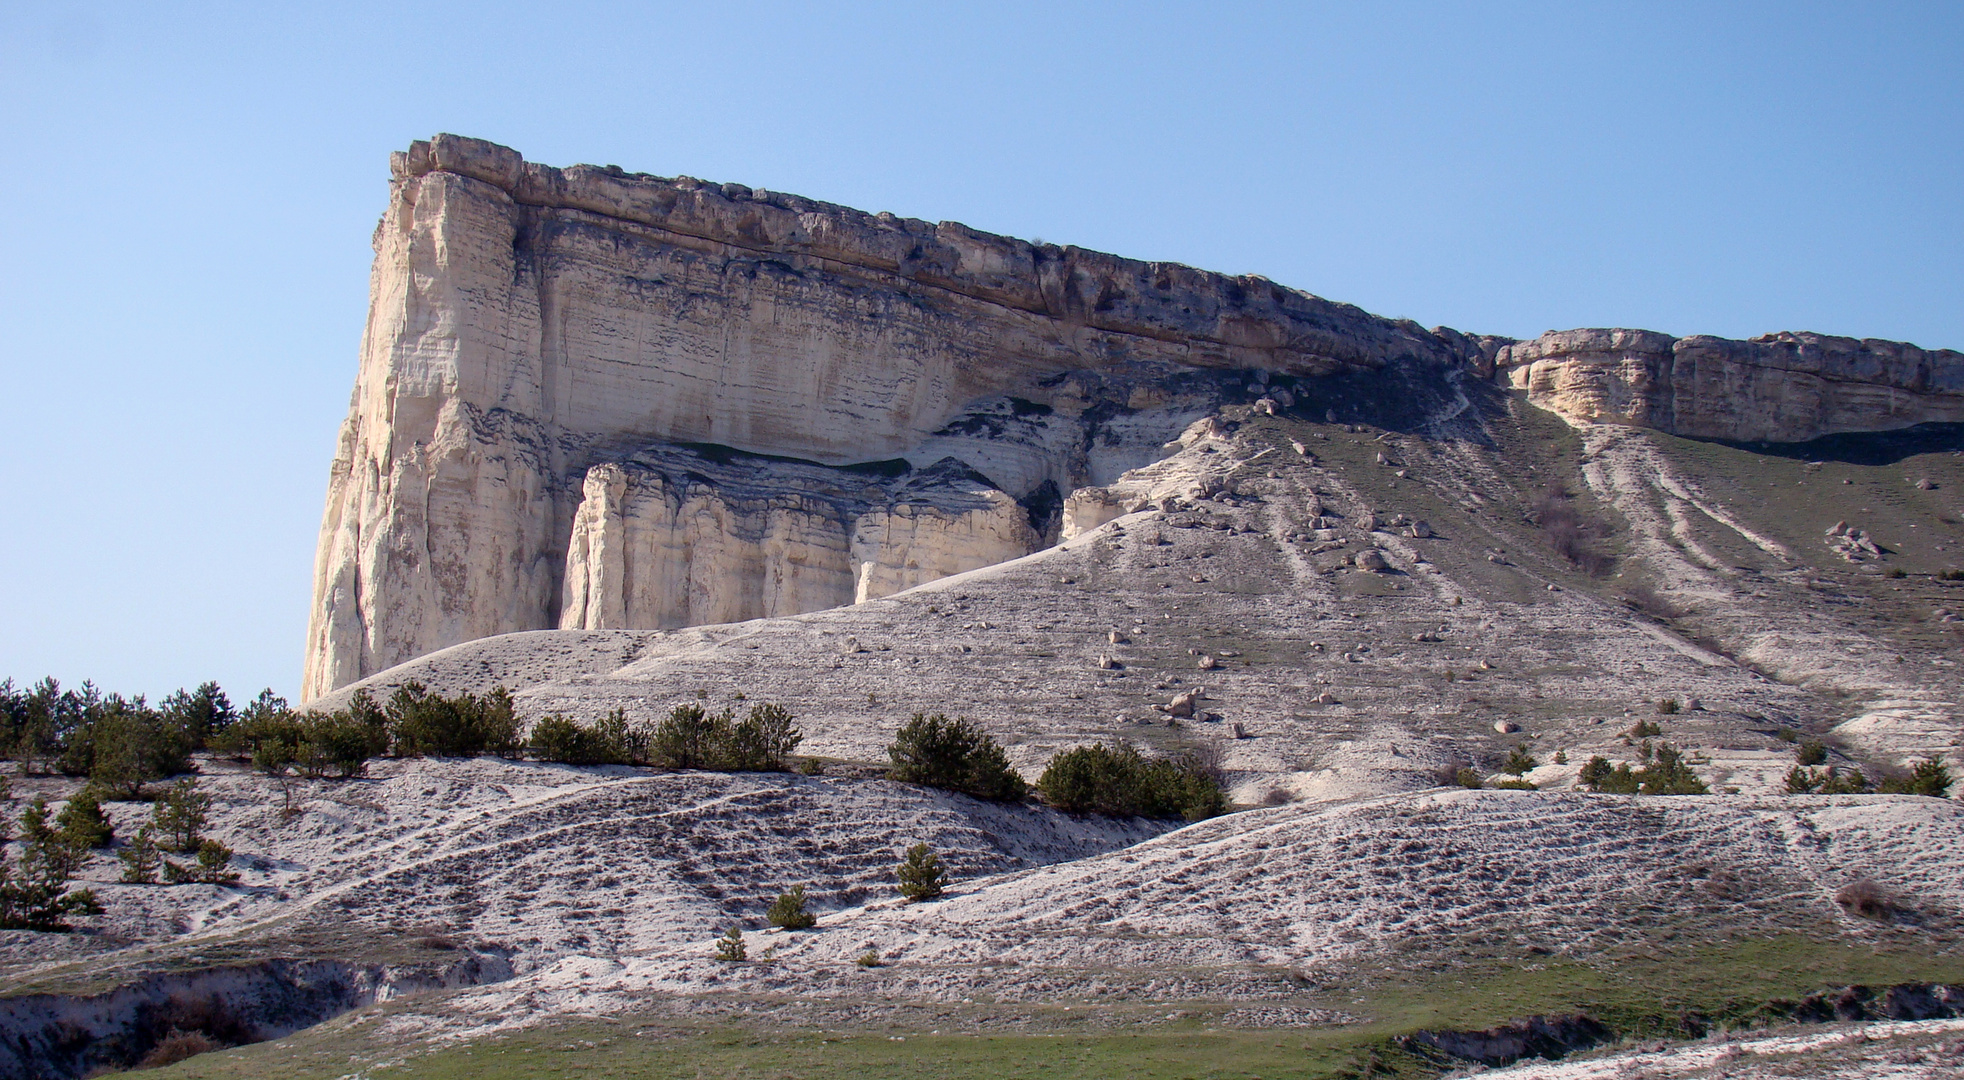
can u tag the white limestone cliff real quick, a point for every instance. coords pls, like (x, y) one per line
(546, 347)
(1776, 388)
(527, 324)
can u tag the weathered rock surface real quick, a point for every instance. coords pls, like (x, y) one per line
(1775, 388)
(594, 399)
(675, 537)
(528, 324)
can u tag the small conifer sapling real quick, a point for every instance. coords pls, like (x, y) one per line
(921, 875)
(788, 911)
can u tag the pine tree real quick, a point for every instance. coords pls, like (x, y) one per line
(46, 850)
(729, 948)
(212, 867)
(141, 858)
(789, 911)
(34, 895)
(83, 822)
(921, 876)
(180, 814)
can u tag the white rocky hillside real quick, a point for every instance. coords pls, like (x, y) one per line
(604, 887)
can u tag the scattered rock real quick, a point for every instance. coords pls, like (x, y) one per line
(1371, 561)
(1235, 729)
(1506, 727)
(1182, 705)
(1852, 544)
(1108, 663)
(1208, 663)
(1926, 484)
(1419, 530)
(1324, 698)
(850, 645)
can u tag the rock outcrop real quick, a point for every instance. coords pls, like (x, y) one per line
(528, 324)
(592, 399)
(674, 537)
(1775, 388)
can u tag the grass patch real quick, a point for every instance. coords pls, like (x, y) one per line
(1649, 993)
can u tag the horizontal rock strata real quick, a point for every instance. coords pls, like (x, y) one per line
(1775, 388)
(596, 399)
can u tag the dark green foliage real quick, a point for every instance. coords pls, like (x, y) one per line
(1829, 781)
(83, 822)
(1950, 575)
(1787, 735)
(1928, 777)
(609, 742)
(1646, 729)
(1468, 778)
(1119, 781)
(40, 721)
(1669, 775)
(339, 744)
(1518, 760)
(1597, 775)
(730, 949)
(141, 859)
(212, 867)
(1896, 572)
(180, 815)
(125, 745)
(693, 738)
(278, 741)
(921, 876)
(690, 738)
(868, 959)
(202, 715)
(955, 755)
(788, 911)
(120, 743)
(45, 846)
(34, 892)
(1516, 785)
(1812, 753)
(763, 739)
(430, 725)
(1669, 707)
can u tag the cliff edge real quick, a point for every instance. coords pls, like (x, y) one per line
(591, 399)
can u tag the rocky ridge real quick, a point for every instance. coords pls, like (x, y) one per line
(539, 337)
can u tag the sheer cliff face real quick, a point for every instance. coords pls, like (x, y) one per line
(1776, 388)
(531, 331)
(592, 399)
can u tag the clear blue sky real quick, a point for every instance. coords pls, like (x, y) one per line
(189, 190)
